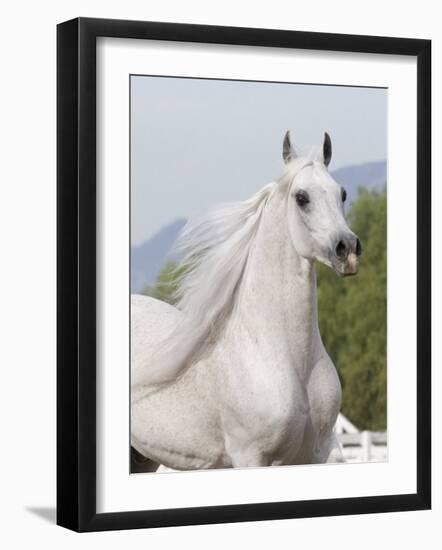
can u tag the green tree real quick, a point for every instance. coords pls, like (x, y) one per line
(166, 284)
(353, 317)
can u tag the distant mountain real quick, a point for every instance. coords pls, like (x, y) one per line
(148, 258)
(372, 175)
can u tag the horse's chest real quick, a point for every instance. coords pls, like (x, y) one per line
(284, 414)
(324, 395)
(266, 414)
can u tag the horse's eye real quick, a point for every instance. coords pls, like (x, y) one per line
(343, 194)
(302, 198)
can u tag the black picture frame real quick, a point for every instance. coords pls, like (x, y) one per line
(76, 273)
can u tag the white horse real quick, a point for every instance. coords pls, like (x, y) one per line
(237, 375)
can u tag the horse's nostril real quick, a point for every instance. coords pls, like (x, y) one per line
(341, 249)
(358, 247)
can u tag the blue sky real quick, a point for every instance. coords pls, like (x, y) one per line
(196, 143)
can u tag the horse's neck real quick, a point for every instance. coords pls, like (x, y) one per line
(278, 292)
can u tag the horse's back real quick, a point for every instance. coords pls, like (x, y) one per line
(151, 321)
(175, 424)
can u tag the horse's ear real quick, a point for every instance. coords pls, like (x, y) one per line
(288, 153)
(327, 149)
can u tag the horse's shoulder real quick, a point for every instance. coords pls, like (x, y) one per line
(141, 301)
(145, 306)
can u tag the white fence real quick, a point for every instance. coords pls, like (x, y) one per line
(364, 446)
(359, 446)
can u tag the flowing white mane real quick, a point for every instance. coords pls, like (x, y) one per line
(214, 249)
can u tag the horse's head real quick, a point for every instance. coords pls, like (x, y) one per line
(316, 219)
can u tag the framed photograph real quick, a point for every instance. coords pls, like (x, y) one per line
(244, 256)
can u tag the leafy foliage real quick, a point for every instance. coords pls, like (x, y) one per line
(353, 317)
(166, 284)
(352, 314)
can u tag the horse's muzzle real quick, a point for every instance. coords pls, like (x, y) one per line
(347, 253)
(348, 266)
